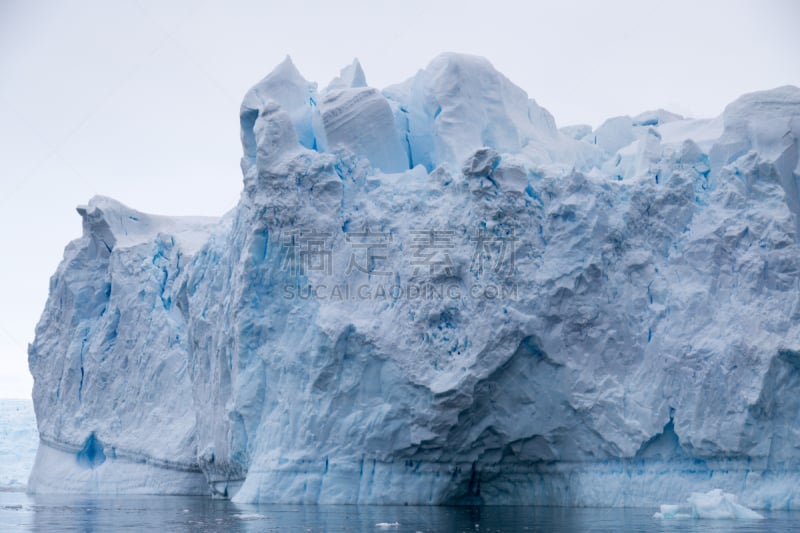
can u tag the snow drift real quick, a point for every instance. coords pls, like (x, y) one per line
(430, 294)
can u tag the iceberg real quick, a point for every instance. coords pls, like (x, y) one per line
(430, 294)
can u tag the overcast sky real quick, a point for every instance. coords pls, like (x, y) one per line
(139, 100)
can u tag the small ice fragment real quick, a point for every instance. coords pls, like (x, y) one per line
(386, 525)
(250, 516)
(667, 511)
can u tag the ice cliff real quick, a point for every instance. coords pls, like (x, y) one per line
(431, 294)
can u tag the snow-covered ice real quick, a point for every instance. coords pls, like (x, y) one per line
(431, 294)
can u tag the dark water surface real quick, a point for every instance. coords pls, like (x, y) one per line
(21, 512)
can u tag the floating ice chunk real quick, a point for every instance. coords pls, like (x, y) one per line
(250, 516)
(667, 511)
(716, 504)
(387, 525)
(670, 511)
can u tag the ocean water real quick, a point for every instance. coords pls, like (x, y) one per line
(22, 512)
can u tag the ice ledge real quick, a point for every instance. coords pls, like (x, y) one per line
(115, 225)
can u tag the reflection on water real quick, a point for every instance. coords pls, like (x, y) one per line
(20, 512)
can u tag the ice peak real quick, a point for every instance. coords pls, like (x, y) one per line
(764, 117)
(460, 103)
(350, 77)
(787, 96)
(289, 90)
(286, 68)
(99, 203)
(284, 85)
(763, 114)
(454, 74)
(457, 62)
(655, 117)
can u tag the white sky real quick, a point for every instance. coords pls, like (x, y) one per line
(139, 100)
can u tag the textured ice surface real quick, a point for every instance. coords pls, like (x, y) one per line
(356, 331)
(18, 441)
